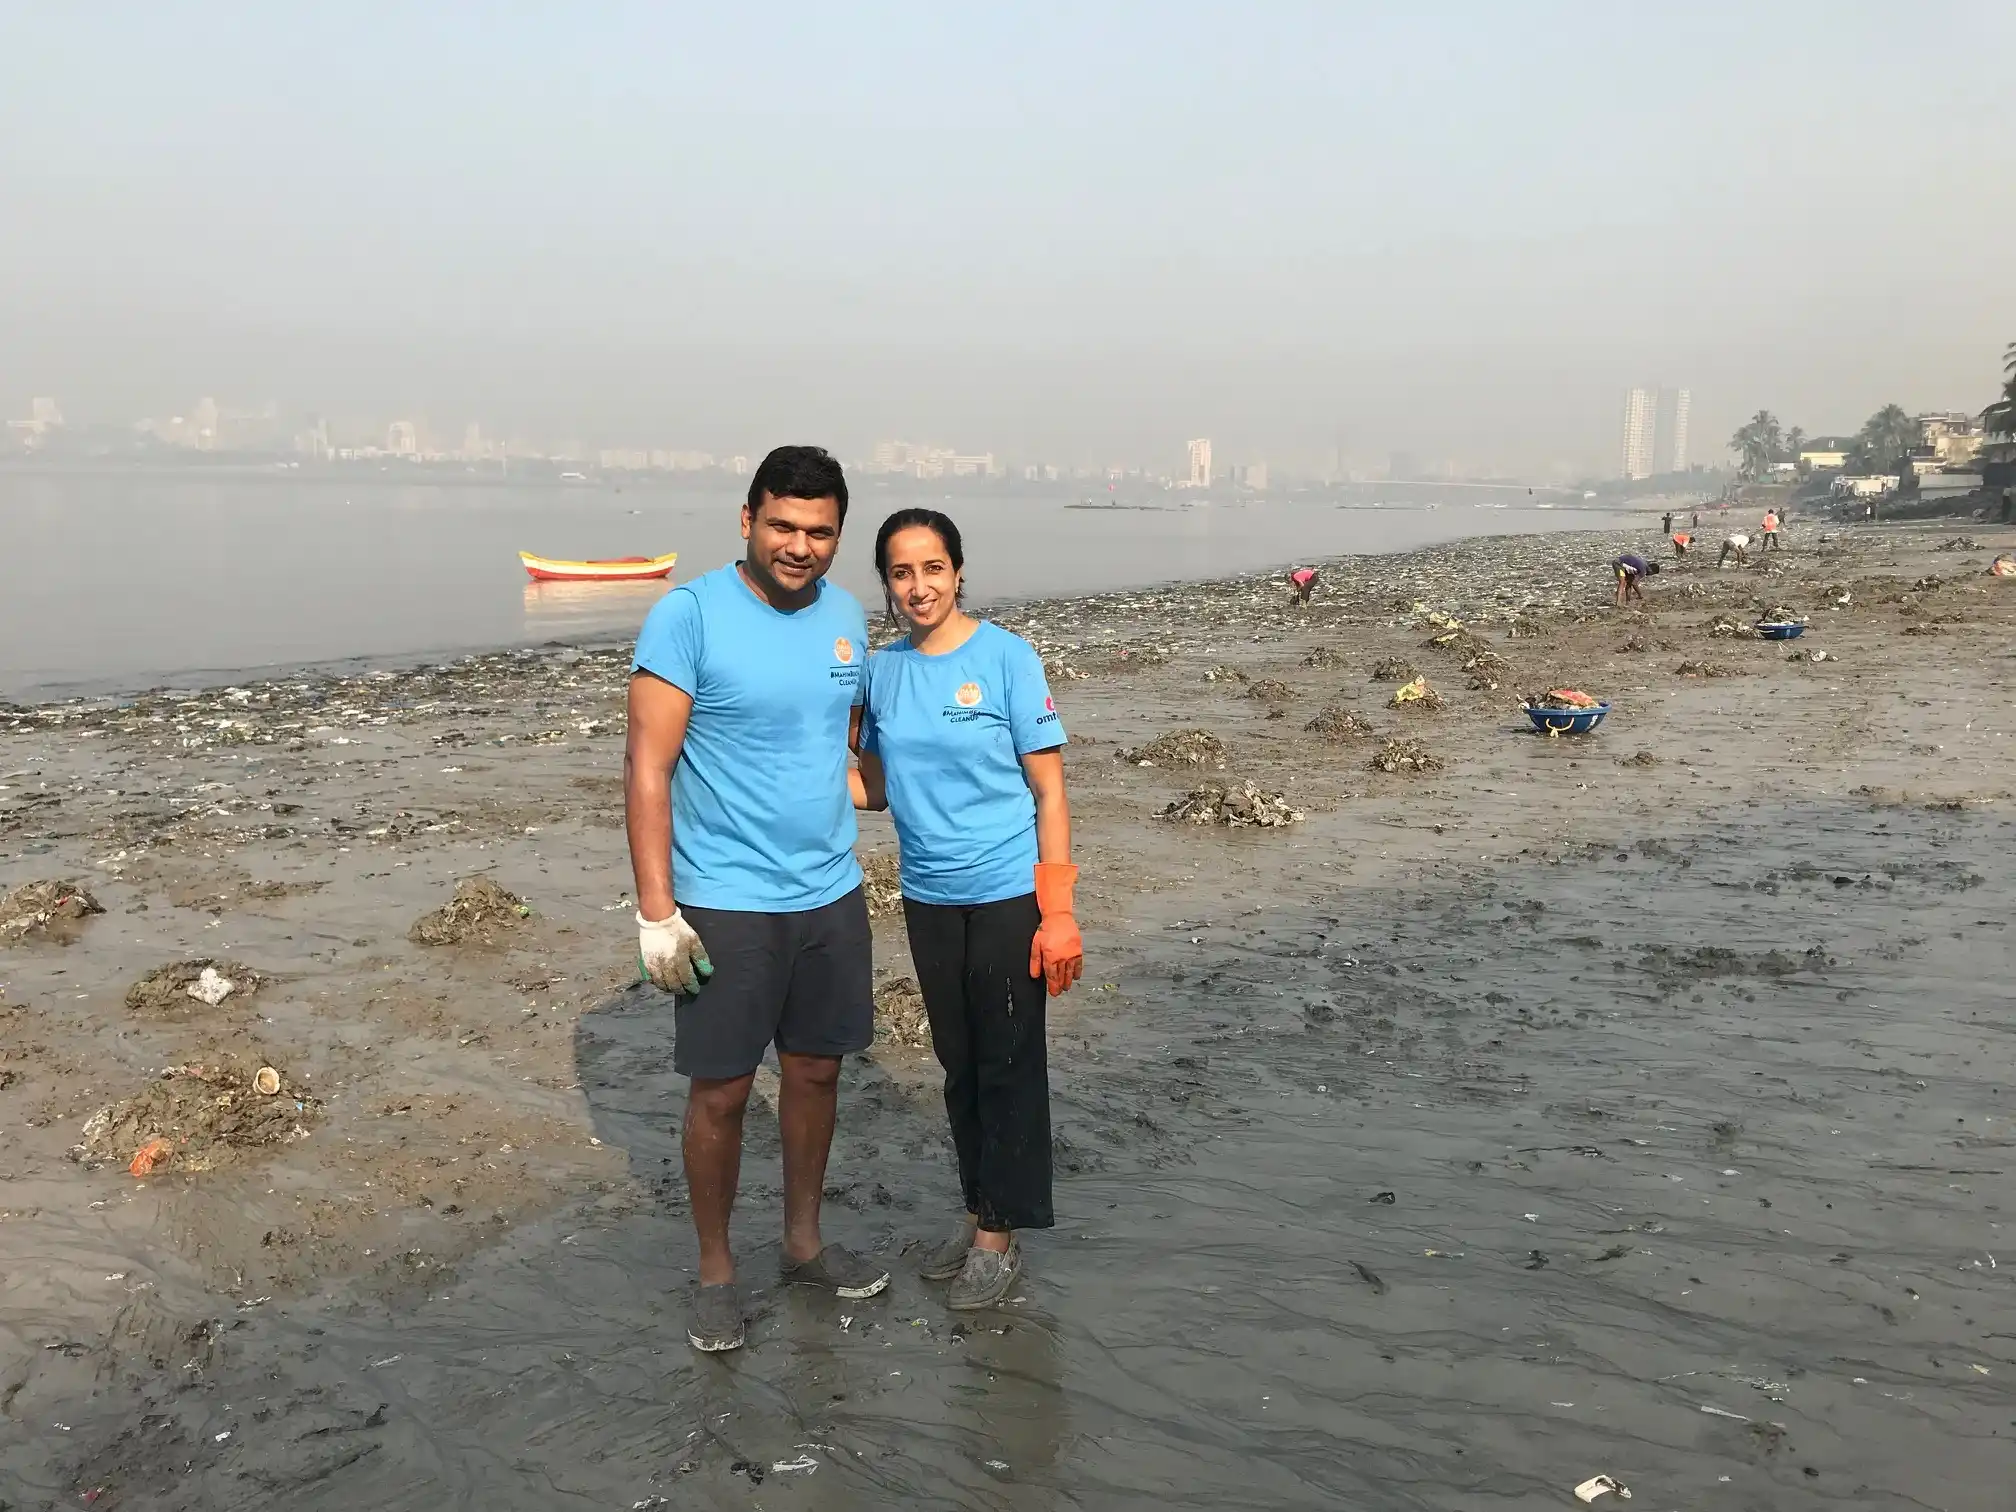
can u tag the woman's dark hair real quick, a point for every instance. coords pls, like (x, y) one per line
(909, 519)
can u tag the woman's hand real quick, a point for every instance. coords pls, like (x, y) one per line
(1057, 954)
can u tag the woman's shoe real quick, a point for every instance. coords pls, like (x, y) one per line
(986, 1278)
(949, 1258)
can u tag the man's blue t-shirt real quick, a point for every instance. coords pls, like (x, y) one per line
(761, 820)
(951, 731)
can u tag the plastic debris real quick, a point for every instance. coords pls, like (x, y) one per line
(1416, 694)
(1180, 748)
(1602, 1485)
(32, 907)
(210, 987)
(1338, 723)
(476, 914)
(266, 1081)
(900, 1018)
(149, 1156)
(1405, 756)
(1238, 805)
(1562, 698)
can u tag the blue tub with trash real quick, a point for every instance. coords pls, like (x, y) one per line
(1781, 629)
(1566, 721)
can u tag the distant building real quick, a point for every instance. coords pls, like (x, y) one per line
(1948, 442)
(1641, 419)
(402, 438)
(739, 466)
(1252, 476)
(1683, 403)
(44, 417)
(1200, 463)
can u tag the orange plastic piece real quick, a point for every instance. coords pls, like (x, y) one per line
(153, 1153)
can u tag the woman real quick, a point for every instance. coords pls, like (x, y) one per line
(960, 741)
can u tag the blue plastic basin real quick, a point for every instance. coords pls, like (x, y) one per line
(1781, 631)
(1567, 721)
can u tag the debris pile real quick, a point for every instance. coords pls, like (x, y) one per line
(1814, 655)
(33, 906)
(197, 1118)
(478, 914)
(900, 1018)
(1959, 543)
(1416, 695)
(1180, 748)
(1393, 670)
(1270, 690)
(882, 881)
(1705, 669)
(1324, 657)
(1640, 759)
(1223, 673)
(1336, 722)
(1405, 756)
(178, 988)
(1729, 626)
(1237, 805)
(1487, 670)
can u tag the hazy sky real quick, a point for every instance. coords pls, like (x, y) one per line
(1080, 231)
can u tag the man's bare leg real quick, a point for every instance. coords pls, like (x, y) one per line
(712, 1144)
(807, 1097)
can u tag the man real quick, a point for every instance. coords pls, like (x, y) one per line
(1631, 571)
(1771, 530)
(743, 702)
(1738, 546)
(1666, 523)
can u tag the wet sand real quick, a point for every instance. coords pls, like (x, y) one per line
(1568, 1110)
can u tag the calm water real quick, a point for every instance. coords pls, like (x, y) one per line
(135, 580)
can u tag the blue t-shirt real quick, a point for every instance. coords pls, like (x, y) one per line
(951, 731)
(761, 820)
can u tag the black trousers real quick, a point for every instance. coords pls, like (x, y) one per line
(988, 1026)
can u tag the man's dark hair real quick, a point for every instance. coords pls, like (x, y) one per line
(799, 472)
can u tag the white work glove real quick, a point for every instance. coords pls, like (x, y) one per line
(670, 955)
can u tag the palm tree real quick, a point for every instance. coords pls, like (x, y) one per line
(1758, 444)
(1885, 438)
(2000, 417)
(1795, 443)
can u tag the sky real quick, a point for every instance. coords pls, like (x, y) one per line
(1081, 232)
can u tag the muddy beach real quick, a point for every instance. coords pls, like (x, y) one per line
(1519, 1110)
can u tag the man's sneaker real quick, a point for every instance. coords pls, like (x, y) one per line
(839, 1270)
(948, 1259)
(715, 1322)
(986, 1278)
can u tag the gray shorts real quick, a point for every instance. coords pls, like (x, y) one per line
(801, 981)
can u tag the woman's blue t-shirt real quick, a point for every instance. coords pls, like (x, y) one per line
(951, 732)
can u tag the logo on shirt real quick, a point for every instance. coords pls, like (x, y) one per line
(968, 695)
(1049, 704)
(843, 650)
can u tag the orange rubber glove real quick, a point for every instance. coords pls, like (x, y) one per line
(1057, 954)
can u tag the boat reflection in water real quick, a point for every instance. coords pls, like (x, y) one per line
(580, 611)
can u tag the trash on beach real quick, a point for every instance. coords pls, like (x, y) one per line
(33, 906)
(266, 1081)
(1814, 655)
(167, 991)
(1602, 1485)
(1959, 543)
(1270, 690)
(1238, 805)
(900, 1018)
(1180, 748)
(1416, 694)
(1562, 698)
(1405, 756)
(1338, 723)
(1370, 1277)
(211, 988)
(1639, 759)
(208, 1115)
(149, 1156)
(1487, 669)
(1393, 670)
(475, 915)
(1705, 669)
(1324, 657)
(1387, 1198)
(2003, 566)
(1729, 627)
(1224, 674)
(882, 883)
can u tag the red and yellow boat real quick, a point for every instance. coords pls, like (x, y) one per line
(606, 570)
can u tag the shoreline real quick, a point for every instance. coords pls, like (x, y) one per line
(469, 1098)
